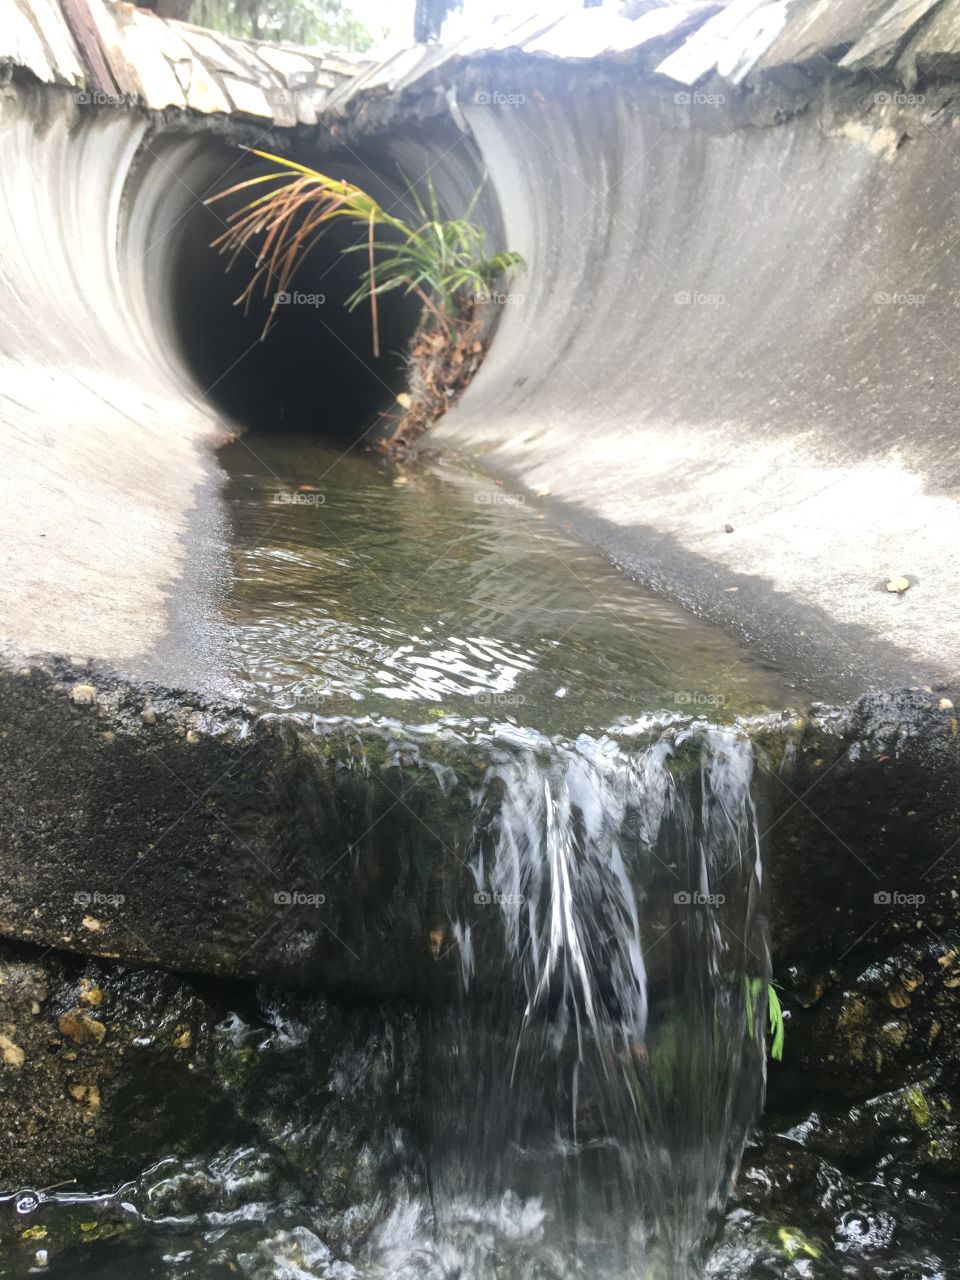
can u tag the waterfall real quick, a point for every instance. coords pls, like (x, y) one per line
(568, 1100)
(603, 1065)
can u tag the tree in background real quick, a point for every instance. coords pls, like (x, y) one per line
(429, 18)
(305, 22)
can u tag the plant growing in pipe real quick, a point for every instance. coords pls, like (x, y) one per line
(443, 262)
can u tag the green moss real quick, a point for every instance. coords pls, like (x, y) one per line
(919, 1106)
(236, 1066)
(96, 1232)
(794, 1244)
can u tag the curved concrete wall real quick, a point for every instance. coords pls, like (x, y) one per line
(104, 438)
(121, 358)
(734, 322)
(111, 127)
(740, 309)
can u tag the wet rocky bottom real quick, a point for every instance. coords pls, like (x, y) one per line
(212, 1129)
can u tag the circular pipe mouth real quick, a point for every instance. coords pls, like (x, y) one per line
(314, 371)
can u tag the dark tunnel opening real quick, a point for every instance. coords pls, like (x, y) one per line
(315, 371)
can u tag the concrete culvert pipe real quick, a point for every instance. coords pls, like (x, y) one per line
(322, 972)
(123, 356)
(687, 350)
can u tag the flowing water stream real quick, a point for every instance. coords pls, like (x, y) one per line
(587, 1094)
(426, 594)
(574, 1103)
(602, 1063)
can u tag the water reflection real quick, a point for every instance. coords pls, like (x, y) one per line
(435, 593)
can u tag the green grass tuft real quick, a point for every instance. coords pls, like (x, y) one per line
(443, 261)
(753, 988)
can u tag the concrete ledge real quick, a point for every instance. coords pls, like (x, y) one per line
(160, 828)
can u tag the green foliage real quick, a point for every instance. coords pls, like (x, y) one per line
(445, 257)
(754, 988)
(442, 261)
(777, 1028)
(305, 22)
(796, 1245)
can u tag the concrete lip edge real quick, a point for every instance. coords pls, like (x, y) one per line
(204, 815)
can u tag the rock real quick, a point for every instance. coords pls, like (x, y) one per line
(895, 1032)
(90, 993)
(125, 1094)
(820, 1177)
(88, 1094)
(179, 1071)
(876, 832)
(83, 694)
(847, 1045)
(11, 1053)
(80, 1028)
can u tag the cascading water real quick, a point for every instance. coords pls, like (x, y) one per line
(588, 1088)
(597, 1079)
(573, 1104)
(538, 1052)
